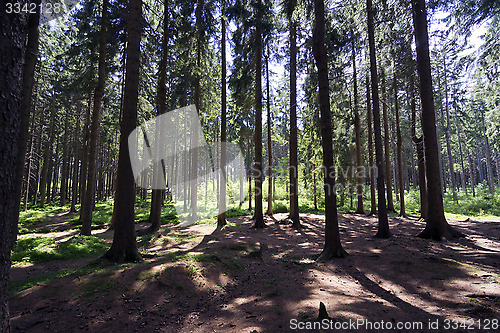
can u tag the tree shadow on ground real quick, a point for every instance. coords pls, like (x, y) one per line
(244, 279)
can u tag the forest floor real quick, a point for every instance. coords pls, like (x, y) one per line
(246, 280)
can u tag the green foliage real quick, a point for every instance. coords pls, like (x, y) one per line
(281, 206)
(236, 211)
(41, 249)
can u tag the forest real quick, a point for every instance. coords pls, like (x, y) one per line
(249, 166)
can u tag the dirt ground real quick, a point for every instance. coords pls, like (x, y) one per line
(246, 280)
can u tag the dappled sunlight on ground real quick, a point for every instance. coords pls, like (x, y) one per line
(241, 279)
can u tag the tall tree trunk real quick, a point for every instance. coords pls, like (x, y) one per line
(315, 188)
(294, 184)
(399, 144)
(65, 158)
(197, 100)
(462, 173)
(333, 247)
(12, 56)
(47, 157)
(269, 142)
(387, 149)
(161, 100)
(30, 163)
(30, 60)
(221, 218)
(85, 151)
(489, 163)
(383, 222)
(419, 144)
(124, 247)
(451, 167)
(77, 154)
(498, 168)
(439, 125)
(357, 128)
(250, 172)
(471, 174)
(373, 202)
(436, 225)
(88, 200)
(258, 216)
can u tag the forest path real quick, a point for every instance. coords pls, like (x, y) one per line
(241, 279)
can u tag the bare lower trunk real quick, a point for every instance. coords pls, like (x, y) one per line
(462, 172)
(161, 99)
(258, 216)
(221, 219)
(294, 184)
(357, 128)
(124, 247)
(387, 149)
(12, 53)
(471, 175)
(85, 150)
(383, 222)
(399, 143)
(451, 167)
(489, 163)
(333, 247)
(88, 200)
(436, 225)
(373, 202)
(419, 144)
(76, 154)
(65, 163)
(47, 156)
(269, 143)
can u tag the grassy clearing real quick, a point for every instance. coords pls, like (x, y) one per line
(38, 249)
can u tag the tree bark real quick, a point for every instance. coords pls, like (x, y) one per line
(373, 202)
(387, 149)
(399, 147)
(85, 151)
(258, 216)
(12, 55)
(221, 218)
(383, 222)
(419, 144)
(489, 166)
(436, 225)
(77, 153)
(124, 247)
(30, 60)
(333, 248)
(47, 156)
(451, 167)
(357, 128)
(294, 184)
(88, 200)
(161, 99)
(65, 157)
(197, 100)
(462, 173)
(269, 143)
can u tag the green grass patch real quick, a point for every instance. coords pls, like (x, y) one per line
(17, 286)
(41, 249)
